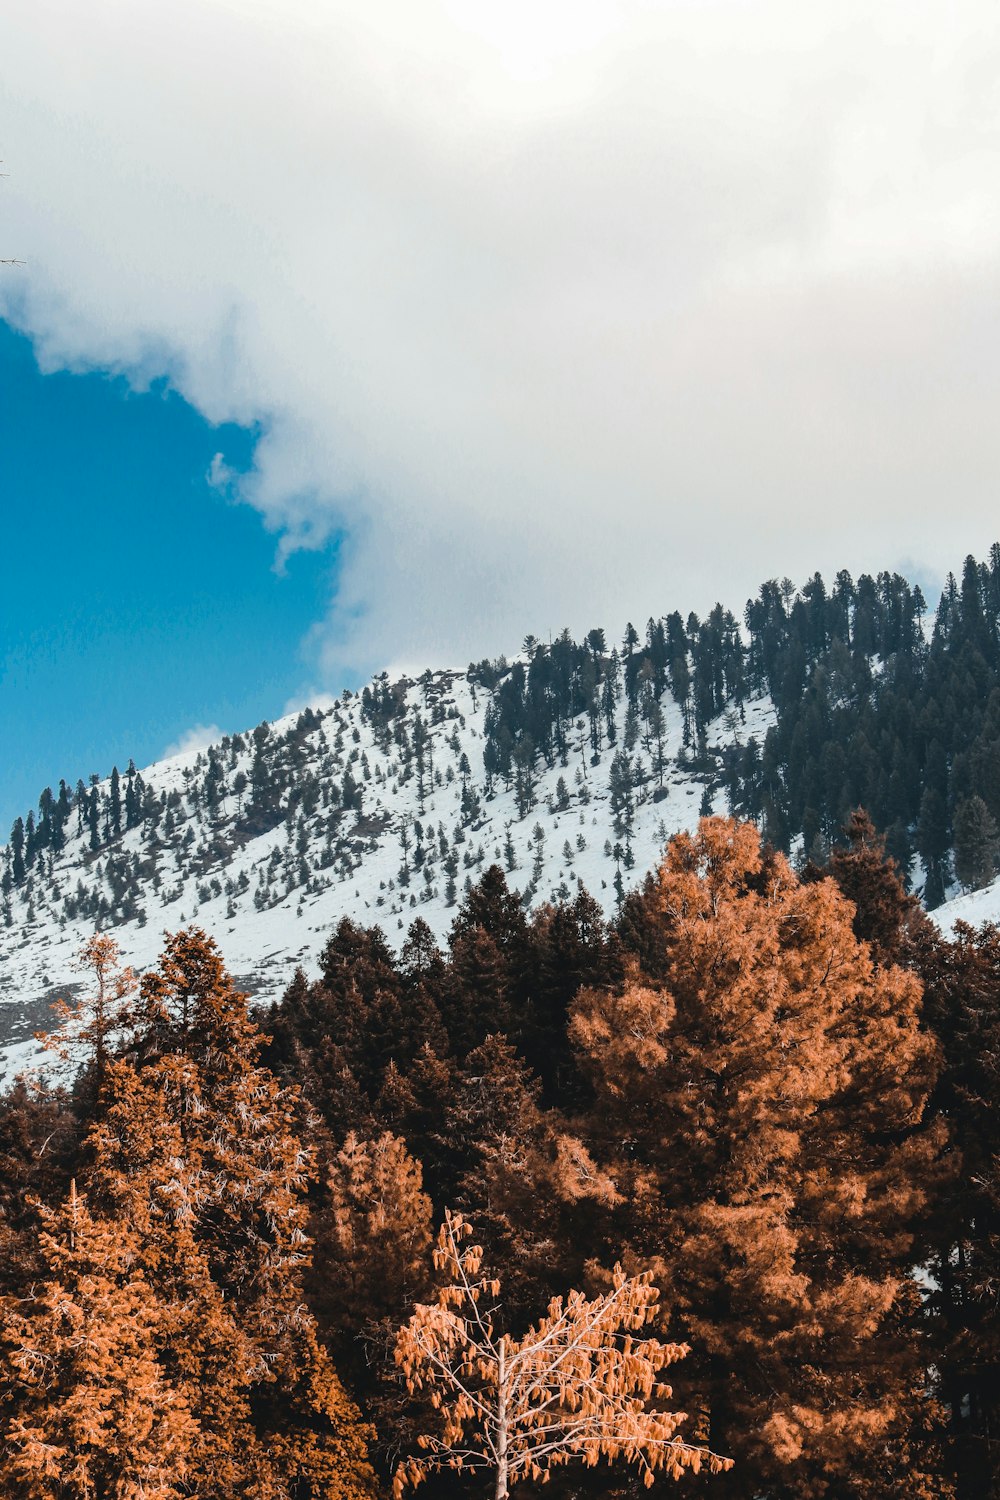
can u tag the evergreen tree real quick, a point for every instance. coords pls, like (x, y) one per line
(976, 844)
(115, 803)
(759, 1091)
(88, 1028)
(372, 1245)
(93, 816)
(884, 914)
(17, 849)
(88, 1406)
(196, 1147)
(962, 1002)
(39, 1145)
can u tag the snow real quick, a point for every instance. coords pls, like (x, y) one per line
(974, 907)
(263, 947)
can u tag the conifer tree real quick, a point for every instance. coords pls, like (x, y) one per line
(760, 1089)
(115, 803)
(884, 913)
(17, 846)
(87, 1029)
(962, 997)
(524, 1174)
(976, 844)
(86, 1406)
(373, 1251)
(196, 1148)
(39, 1144)
(570, 947)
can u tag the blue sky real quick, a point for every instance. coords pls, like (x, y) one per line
(137, 601)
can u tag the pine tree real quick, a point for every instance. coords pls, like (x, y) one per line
(478, 995)
(39, 1143)
(621, 785)
(93, 815)
(570, 947)
(976, 844)
(884, 914)
(88, 1028)
(759, 1091)
(196, 1148)
(373, 1250)
(115, 803)
(522, 1171)
(932, 843)
(962, 998)
(88, 1408)
(17, 849)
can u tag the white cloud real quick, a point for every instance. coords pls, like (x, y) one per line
(568, 311)
(192, 740)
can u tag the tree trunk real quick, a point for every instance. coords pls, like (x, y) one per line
(500, 1492)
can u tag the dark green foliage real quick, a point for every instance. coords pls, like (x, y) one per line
(976, 843)
(869, 712)
(962, 1003)
(885, 916)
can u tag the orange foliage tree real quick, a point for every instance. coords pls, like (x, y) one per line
(87, 1029)
(380, 1229)
(194, 1153)
(759, 1091)
(576, 1386)
(86, 1406)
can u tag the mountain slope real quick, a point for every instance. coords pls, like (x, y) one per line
(569, 766)
(270, 884)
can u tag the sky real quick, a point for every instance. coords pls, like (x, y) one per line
(140, 607)
(434, 324)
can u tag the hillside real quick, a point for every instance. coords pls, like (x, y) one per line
(416, 829)
(569, 767)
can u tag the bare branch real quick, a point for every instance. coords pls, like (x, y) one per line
(576, 1386)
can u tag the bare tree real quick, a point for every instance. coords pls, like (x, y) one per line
(89, 1027)
(576, 1386)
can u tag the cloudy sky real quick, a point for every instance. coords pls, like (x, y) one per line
(494, 317)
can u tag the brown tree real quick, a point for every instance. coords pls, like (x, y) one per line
(372, 1251)
(86, 1405)
(886, 917)
(194, 1153)
(575, 1387)
(759, 1094)
(86, 1030)
(39, 1142)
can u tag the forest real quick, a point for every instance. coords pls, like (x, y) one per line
(868, 702)
(873, 709)
(706, 1195)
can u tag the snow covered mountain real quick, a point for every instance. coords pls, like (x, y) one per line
(380, 817)
(381, 807)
